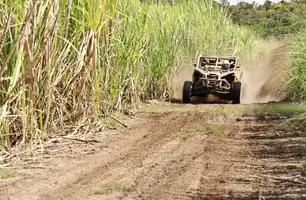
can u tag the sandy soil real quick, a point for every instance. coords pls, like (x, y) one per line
(172, 151)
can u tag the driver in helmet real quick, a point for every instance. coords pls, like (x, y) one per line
(226, 65)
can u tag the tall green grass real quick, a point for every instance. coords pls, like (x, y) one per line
(296, 86)
(64, 61)
(297, 83)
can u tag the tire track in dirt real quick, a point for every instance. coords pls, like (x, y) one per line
(155, 134)
(189, 154)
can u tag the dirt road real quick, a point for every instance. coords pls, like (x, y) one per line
(174, 151)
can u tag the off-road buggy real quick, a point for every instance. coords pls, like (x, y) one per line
(220, 76)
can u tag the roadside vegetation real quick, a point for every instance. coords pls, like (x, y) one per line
(66, 62)
(271, 19)
(284, 20)
(297, 82)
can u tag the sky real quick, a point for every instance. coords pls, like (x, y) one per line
(234, 2)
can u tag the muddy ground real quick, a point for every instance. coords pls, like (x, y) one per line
(172, 151)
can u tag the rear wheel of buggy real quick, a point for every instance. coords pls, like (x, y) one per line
(187, 92)
(237, 93)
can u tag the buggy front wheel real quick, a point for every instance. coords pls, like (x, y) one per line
(237, 93)
(187, 92)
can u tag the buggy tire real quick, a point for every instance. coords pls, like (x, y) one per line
(236, 93)
(187, 92)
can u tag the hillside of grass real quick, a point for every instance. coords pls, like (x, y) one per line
(65, 62)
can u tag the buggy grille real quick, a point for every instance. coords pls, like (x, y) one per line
(212, 77)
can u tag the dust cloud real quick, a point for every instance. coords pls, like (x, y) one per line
(183, 73)
(261, 82)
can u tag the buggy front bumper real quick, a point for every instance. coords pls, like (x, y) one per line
(205, 86)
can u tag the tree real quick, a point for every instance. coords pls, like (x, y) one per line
(271, 19)
(268, 4)
(225, 3)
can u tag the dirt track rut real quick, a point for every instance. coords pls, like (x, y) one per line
(179, 153)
